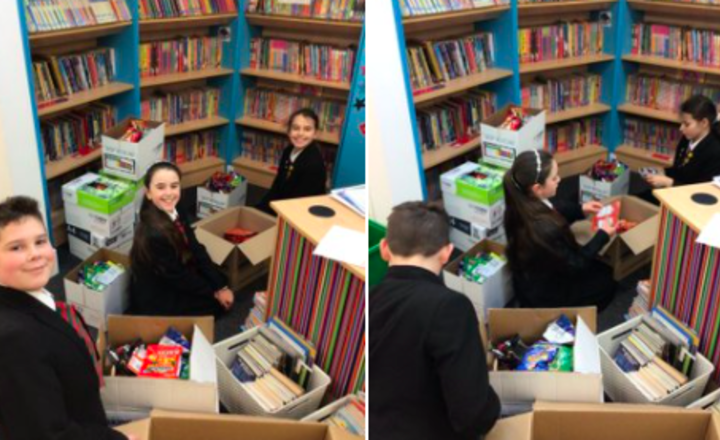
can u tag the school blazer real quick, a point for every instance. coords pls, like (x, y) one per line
(702, 167)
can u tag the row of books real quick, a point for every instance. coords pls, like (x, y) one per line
(51, 15)
(153, 9)
(663, 93)
(192, 146)
(574, 134)
(319, 61)
(186, 54)
(558, 94)
(455, 121)
(641, 302)
(699, 46)
(434, 62)
(423, 7)
(344, 10)
(560, 41)
(350, 416)
(268, 148)
(657, 136)
(76, 132)
(256, 317)
(178, 107)
(277, 106)
(58, 76)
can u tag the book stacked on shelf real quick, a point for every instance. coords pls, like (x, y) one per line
(277, 106)
(77, 132)
(342, 10)
(564, 93)
(193, 146)
(268, 148)
(411, 8)
(572, 135)
(660, 137)
(659, 354)
(698, 46)
(151, 9)
(185, 54)
(432, 63)
(668, 93)
(455, 121)
(275, 365)
(641, 303)
(350, 416)
(52, 15)
(560, 41)
(178, 107)
(256, 317)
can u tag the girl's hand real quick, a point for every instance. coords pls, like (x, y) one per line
(660, 181)
(225, 297)
(591, 207)
(610, 228)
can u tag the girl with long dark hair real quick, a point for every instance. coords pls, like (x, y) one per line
(549, 268)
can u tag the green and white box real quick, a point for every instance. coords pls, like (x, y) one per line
(99, 193)
(131, 160)
(482, 205)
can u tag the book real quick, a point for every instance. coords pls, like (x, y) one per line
(560, 41)
(572, 135)
(563, 93)
(410, 8)
(77, 132)
(184, 106)
(608, 215)
(192, 146)
(686, 44)
(180, 55)
(341, 10)
(52, 15)
(350, 416)
(151, 9)
(655, 136)
(667, 93)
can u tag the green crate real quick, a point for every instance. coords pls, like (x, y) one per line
(376, 266)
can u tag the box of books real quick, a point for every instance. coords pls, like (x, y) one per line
(347, 413)
(509, 132)
(131, 147)
(653, 359)
(144, 370)
(270, 371)
(464, 234)
(605, 179)
(98, 286)
(544, 355)
(483, 275)
(220, 192)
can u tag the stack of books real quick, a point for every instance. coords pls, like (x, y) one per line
(256, 317)
(186, 54)
(193, 146)
(423, 7)
(151, 9)
(52, 15)
(641, 303)
(178, 107)
(560, 41)
(699, 46)
(660, 137)
(573, 135)
(343, 10)
(564, 93)
(668, 93)
(350, 416)
(320, 61)
(77, 132)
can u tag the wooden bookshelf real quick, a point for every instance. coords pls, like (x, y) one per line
(59, 227)
(672, 64)
(564, 63)
(637, 158)
(59, 167)
(461, 84)
(433, 158)
(575, 113)
(174, 78)
(258, 173)
(648, 112)
(562, 7)
(54, 38)
(188, 127)
(167, 24)
(422, 23)
(198, 171)
(677, 8)
(309, 25)
(86, 97)
(578, 161)
(246, 121)
(289, 77)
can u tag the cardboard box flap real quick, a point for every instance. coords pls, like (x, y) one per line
(643, 236)
(714, 428)
(140, 429)
(202, 359)
(218, 248)
(586, 355)
(121, 127)
(124, 329)
(260, 247)
(335, 433)
(512, 428)
(503, 323)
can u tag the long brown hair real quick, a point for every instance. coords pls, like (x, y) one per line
(154, 221)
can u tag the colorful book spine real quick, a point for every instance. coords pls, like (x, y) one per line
(573, 135)
(659, 137)
(153, 9)
(268, 148)
(697, 46)
(560, 41)
(193, 146)
(412, 8)
(342, 10)
(52, 15)
(559, 94)
(186, 54)
(324, 303)
(185, 106)
(77, 132)
(667, 94)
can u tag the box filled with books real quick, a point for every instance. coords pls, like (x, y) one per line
(270, 371)
(653, 359)
(347, 413)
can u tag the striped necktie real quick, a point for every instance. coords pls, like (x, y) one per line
(72, 316)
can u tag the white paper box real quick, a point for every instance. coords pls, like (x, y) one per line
(98, 223)
(132, 160)
(464, 234)
(591, 189)
(501, 147)
(469, 211)
(84, 243)
(210, 202)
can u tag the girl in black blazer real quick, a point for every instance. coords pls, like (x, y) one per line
(697, 156)
(549, 268)
(302, 170)
(172, 273)
(49, 376)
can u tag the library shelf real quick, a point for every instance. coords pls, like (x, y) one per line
(637, 158)
(677, 8)
(197, 125)
(458, 85)
(647, 112)
(258, 173)
(311, 25)
(672, 64)
(61, 36)
(420, 23)
(543, 66)
(575, 113)
(433, 158)
(562, 7)
(174, 78)
(86, 97)
(579, 160)
(163, 24)
(59, 167)
(246, 121)
(293, 78)
(196, 172)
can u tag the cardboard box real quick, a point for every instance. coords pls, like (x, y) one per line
(621, 389)
(96, 306)
(99, 223)
(211, 202)
(483, 215)
(76, 192)
(591, 189)
(585, 384)
(242, 263)
(495, 292)
(84, 243)
(128, 159)
(554, 421)
(164, 425)
(465, 235)
(501, 147)
(140, 395)
(630, 250)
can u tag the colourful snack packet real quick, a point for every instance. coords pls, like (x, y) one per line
(162, 361)
(563, 360)
(561, 331)
(538, 357)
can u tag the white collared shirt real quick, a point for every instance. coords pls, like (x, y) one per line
(548, 203)
(695, 144)
(173, 215)
(44, 297)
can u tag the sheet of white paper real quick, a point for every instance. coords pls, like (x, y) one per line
(345, 245)
(710, 234)
(587, 350)
(354, 197)
(716, 179)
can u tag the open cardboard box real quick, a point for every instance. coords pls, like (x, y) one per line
(631, 250)
(131, 160)
(555, 421)
(242, 263)
(501, 147)
(584, 384)
(123, 395)
(164, 425)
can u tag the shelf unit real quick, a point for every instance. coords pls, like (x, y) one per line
(247, 121)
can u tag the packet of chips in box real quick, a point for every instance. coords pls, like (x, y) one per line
(162, 361)
(563, 360)
(561, 331)
(174, 337)
(538, 357)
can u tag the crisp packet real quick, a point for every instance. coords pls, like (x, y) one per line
(563, 360)
(162, 361)
(538, 357)
(174, 337)
(560, 331)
